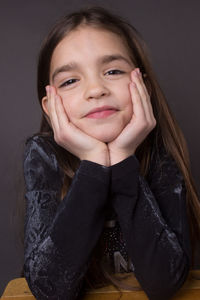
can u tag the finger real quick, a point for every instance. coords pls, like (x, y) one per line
(148, 99)
(143, 85)
(144, 96)
(140, 84)
(52, 111)
(138, 108)
(63, 119)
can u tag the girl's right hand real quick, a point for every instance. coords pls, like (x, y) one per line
(70, 137)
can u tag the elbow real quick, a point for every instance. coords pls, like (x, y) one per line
(39, 284)
(166, 287)
(49, 281)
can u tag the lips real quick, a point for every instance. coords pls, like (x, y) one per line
(102, 108)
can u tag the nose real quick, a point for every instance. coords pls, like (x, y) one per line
(95, 89)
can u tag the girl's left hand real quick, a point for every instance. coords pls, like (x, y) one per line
(141, 123)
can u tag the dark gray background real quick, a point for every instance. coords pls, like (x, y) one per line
(171, 31)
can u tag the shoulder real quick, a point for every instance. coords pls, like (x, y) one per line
(163, 164)
(39, 143)
(40, 148)
(40, 164)
(39, 140)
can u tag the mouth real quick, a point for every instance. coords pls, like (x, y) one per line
(102, 114)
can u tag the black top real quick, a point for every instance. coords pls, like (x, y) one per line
(148, 231)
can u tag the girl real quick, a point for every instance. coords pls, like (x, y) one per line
(108, 183)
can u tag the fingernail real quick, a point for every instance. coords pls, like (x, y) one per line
(133, 74)
(133, 84)
(138, 71)
(47, 88)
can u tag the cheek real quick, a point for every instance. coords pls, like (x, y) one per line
(122, 91)
(127, 98)
(126, 102)
(69, 104)
(69, 109)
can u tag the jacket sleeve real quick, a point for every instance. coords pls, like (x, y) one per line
(60, 235)
(152, 216)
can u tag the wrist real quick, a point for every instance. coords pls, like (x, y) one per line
(114, 159)
(98, 160)
(100, 157)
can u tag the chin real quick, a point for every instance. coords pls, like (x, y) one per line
(106, 137)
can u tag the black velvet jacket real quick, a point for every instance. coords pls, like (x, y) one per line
(151, 229)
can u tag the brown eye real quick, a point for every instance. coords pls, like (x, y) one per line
(68, 82)
(116, 72)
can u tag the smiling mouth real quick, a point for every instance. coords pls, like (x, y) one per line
(101, 114)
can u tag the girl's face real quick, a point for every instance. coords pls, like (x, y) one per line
(90, 68)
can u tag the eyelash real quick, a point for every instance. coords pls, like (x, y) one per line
(65, 83)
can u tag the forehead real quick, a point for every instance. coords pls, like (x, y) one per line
(87, 43)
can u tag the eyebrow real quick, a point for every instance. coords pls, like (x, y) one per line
(102, 60)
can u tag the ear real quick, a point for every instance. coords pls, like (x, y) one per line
(45, 105)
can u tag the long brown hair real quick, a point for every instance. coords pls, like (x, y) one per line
(166, 129)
